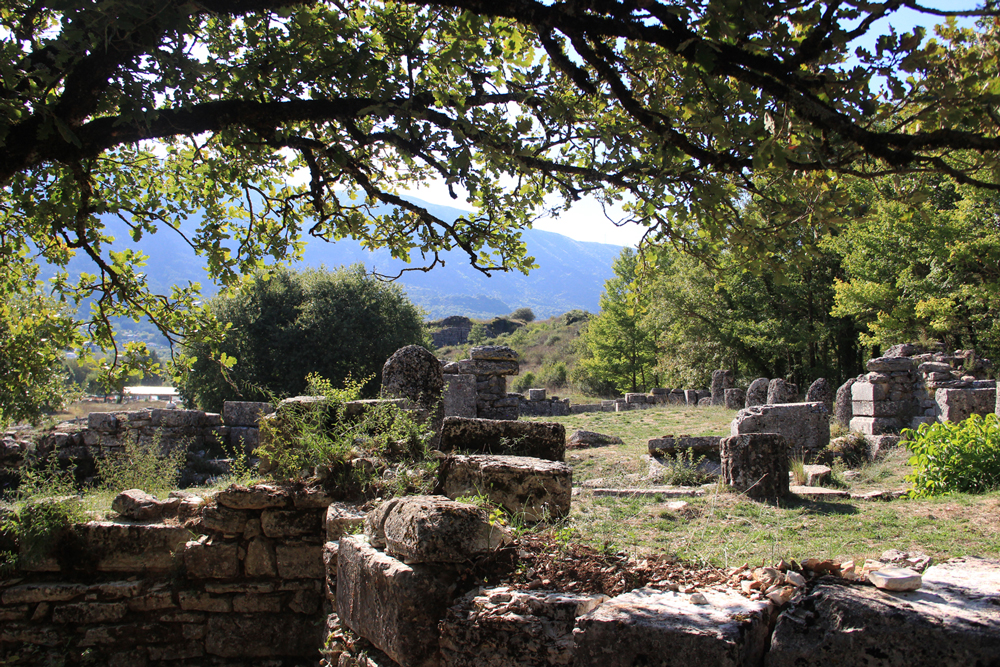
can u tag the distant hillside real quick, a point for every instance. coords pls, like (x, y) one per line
(570, 275)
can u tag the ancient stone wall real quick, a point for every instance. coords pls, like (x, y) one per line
(490, 364)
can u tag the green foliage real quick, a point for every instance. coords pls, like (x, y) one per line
(479, 334)
(682, 469)
(141, 464)
(553, 374)
(523, 382)
(279, 329)
(301, 440)
(523, 314)
(619, 343)
(955, 457)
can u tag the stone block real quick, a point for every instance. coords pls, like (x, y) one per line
(300, 560)
(89, 612)
(673, 446)
(481, 368)
(121, 547)
(721, 381)
(805, 426)
(648, 627)
(843, 403)
(705, 402)
(500, 626)
(493, 353)
(534, 489)
(343, 519)
(890, 364)
(258, 497)
(261, 559)
(635, 398)
(957, 405)
(35, 593)
(881, 408)
(757, 392)
(160, 418)
(781, 391)
(245, 413)
(244, 438)
(544, 440)
(208, 559)
(735, 398)
(412, 372)
(222, 519)
(436, 529)
(201, 601)
(460, 395)
(581, 438)
(102, 421)
(875, 425)
(952, 621)
(263, 635)
(396, 606)
(536, 394)
(756, 464)
(691, 397)
(866, 391)
(290, 523)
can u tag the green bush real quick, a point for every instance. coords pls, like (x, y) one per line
(523, 383)
(682, 469)
(553, 374)
(141, 465)
(962, 457)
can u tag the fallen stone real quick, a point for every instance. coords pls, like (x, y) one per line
(952, 621)
(757, 392)
(818, 492)
(580, 438)
(895, 579)
(805, 426)
(138, 505)
(668, 628)
(534, 489)
(396, 606)
(543, 440)
(435, 529)
(756, 464)
(816, 475)
(512, 628)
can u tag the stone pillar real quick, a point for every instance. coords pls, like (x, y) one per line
(756, 464)
(779, 391)
(735, 398)
(721, 381)
(843, 410)
(757, 393)
(414, 373)
(820, 391)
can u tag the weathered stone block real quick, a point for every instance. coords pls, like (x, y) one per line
(666, 628)
(261, 559)
(482, 368)
(735, 398)
(343, 519)
(414, 373)
(536, 394)
(866, 391)
(290, 523)
(957, 405)
(493, 353)
(721, 381)
(500, 626)
(120, 547)
(635, 398)
(757, 392)
(951, 621)
(207, 559)
(263, 635)
(890, 364)
(460, 395)
(875, 425)
(102, 421)
(244, 413)
(756, 464)
(224, 520)
(89, 612)
(843, 406)
(544, 440)
(805, 426)
(35, 593)
(534, 489)
(160, 418)
(436, 529)
(258, 497)
(781, 391)
(581, 438)
(881, 408)
(821, 391)
(395, 606)
(300, 561)
(691, 397)
(244, 438)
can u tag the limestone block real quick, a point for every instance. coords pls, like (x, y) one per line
(102, 421)
(244, 413)
(843, 405)
(735, 398)
(881, 408)
(866, 391)
(757, 392)
(161, 418)
(460, 395)
(208, 559)
(546, 440)
(951, 621)
(536, 394)
(290, 523)
(875, 425)
(756, 464)
(138, 505)
(721, 381)
(957, 405)
(705, 402)
(414, 373)
(395, 606)
(343, 519)
(659, 391)
(805, 426)
(780, 391)
(261, 559)
(493, 353)
(581, 438)
(666, 628)
(35, 593)
(436, 529)
(263, 635)
(257, 497)
(703, 393)
(820, 391)
(300, 560)
(631, 398)
(890, 364)
(482, 368)
(244, 438)
(535, 489)
(500, 626)
(89, 612)
(124, 547)
(676, 398)
(221, 519)
(691, 397)
(674, 446)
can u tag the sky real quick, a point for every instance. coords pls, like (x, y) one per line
(586, 220)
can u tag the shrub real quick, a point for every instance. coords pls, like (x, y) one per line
(141, 465)
(553, 374)
(479, 334)
(523, 383)
(682, 469)
(962, 457)
(523, 314)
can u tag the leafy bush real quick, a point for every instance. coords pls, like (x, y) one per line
(523, 383)
(682, 469)
(962, 457)
(553, 374)
(523, 314)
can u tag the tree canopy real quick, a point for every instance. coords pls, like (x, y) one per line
(340, 325)
(686, 112)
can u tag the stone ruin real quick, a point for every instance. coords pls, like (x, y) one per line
(488, 368)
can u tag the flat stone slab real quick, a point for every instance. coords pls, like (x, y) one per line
(581, 438)
(535, 489)
(543, 440)
(952, 621)
(513, 628)
(895, 579)
(806, 426)
(818, 492)
(650, 627)
(652, 491)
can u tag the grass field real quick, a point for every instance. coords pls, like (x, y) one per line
(724, 528)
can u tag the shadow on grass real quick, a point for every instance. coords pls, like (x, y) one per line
(817, 506)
